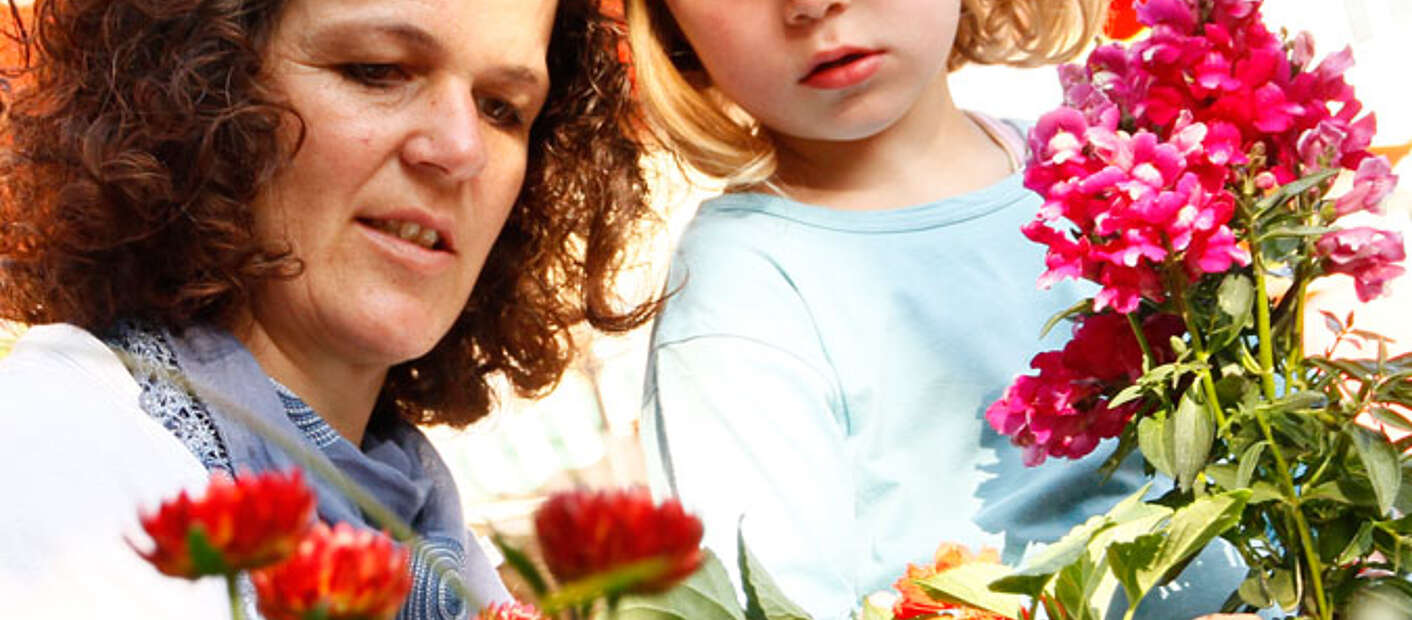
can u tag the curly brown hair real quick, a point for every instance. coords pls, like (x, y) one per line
(138, 132)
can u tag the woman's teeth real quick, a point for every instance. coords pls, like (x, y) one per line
(408, 231)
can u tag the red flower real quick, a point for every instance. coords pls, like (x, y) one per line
(916, 603)
(511, 611)
(237, 525)
(342, 573)
(1122, 20)
(585, 533)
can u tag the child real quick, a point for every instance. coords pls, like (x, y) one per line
(844, 313)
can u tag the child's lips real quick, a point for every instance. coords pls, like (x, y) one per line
(842, 67)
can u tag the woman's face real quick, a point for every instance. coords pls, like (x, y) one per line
(417, 116)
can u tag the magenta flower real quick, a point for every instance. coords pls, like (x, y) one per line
(1064, 411)
(1133, 202)
(1369, 255)
(1373, 182)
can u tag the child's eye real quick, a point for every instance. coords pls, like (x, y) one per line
(501, 113)
(373, 74)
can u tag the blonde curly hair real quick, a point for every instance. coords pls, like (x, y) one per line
(712, 135)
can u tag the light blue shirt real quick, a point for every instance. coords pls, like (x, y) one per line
(824, 374)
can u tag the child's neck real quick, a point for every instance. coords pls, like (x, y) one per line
(934, 151)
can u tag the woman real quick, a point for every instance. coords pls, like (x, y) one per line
(339, 216)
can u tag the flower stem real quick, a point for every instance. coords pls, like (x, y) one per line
(1141, 341)
(1293, 366)
(1262, 321)
(237, 612)
(1267, 384)
(1177, 285)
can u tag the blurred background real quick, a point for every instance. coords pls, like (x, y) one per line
(585, 431)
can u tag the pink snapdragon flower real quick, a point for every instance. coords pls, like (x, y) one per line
(1135, 200)
(1369, 255)
(1228, 68)
(1372, 184)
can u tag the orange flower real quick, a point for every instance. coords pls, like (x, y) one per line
(915, 601)
(238, 525)
(584, 533)
(510, 611)
(1122, 20)
(342, 573)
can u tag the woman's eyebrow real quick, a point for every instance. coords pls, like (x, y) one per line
(409, 35)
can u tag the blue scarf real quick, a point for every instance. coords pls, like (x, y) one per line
(396, 464)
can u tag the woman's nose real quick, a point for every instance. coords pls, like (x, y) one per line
(448, 137)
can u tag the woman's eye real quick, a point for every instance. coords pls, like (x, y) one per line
(373, 74)
(501, 112)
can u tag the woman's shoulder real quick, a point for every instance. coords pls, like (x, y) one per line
(85, 460)
(60, 362)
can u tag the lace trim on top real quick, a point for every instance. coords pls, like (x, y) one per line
(170, 404)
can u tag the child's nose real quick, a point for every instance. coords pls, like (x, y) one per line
(798, 12)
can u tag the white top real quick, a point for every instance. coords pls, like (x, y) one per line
(80, 460)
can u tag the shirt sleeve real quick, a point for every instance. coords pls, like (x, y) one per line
(744, 432)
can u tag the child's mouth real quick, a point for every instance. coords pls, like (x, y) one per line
(844, 69)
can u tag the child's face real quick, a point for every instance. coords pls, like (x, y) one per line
(820, 69)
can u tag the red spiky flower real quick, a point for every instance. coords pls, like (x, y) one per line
(511, 611)
(584, 533)
(343, 573)
(917, 603)
(236, 525)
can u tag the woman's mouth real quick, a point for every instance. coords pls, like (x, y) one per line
(842, 68)
(410, 232)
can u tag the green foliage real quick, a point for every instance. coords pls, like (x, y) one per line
(706, 595)
(522, 565)
(968, 584)
(764, 601)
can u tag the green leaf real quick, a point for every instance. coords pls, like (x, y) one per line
(522, 565)
(1127, 395)
(763, 598)
(1235, 296)
(1260, 490)
(1290, 190)
(1152, 441)
(970, 584)
(875, 610)
(1079, 307)
(1358, 546)
(1248, 462)
(1281, 584)
(706, 595)
(1384, 598)
(1130, 561)
(1330, 490)
(1189, 433)
(1254, 591)
(1076, 587)
(1403, 503)
(1300, 401)
(1392, 419)
(205, 558)
(1072, 546)
(1380, 458)
(1294, 232)
(1191, 528)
